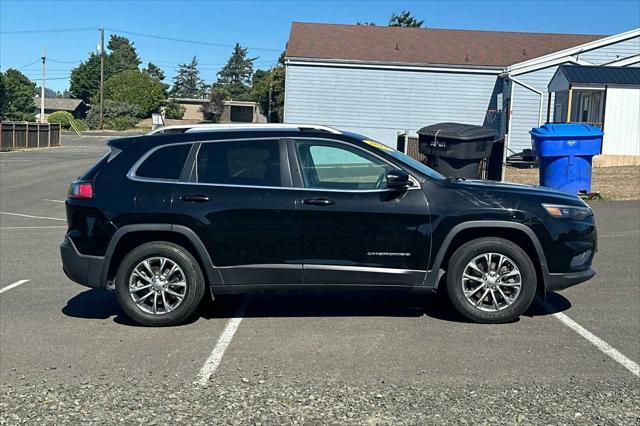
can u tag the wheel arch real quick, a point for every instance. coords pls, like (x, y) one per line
(130, 236)
(516, 232)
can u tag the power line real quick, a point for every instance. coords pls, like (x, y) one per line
(29, 64)
(64, 62)
(56, 30)
(204, 43)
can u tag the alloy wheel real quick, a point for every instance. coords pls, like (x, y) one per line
(491, 282)
(157, 285)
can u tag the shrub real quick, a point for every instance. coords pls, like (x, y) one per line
(79, 125)
(174, 110)
(116, 115)
(63, 118)
(120, 123)
(136, 88)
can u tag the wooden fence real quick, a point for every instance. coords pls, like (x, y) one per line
(22, 135)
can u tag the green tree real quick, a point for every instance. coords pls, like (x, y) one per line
(212, 110)
(154, 71)
(173, 110)
(267, 91)
(16, 97)
(404, 19)
(85, 78)
(187, 82)
(371, 24)
(123, 55)
(136, 88)
(236, 75)
(4, 96)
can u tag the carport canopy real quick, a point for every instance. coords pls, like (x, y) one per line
(569, 76)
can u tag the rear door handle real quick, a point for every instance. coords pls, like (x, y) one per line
(195, 198)
(318, 202)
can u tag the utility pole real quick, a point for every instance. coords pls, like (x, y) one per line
(44, 58)
(101, 77)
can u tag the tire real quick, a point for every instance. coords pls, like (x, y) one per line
(504, 300)
(169, 309)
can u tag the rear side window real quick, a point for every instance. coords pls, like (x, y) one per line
(248, 163)
(165, 163)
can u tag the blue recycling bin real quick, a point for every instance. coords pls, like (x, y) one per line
(566, 152)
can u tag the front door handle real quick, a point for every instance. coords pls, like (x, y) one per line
(195, 198)
(318, 202)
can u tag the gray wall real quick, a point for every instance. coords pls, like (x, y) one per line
(381, 103)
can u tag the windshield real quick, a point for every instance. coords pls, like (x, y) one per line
(409, 161)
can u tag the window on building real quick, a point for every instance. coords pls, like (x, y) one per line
(249, 163)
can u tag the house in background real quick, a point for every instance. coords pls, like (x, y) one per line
(75, 107)
(607, 97)
(382, 81)
(234, 111)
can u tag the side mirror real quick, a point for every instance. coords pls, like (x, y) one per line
(398, 179)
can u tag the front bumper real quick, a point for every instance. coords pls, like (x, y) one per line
(562, 281)
(82, 269)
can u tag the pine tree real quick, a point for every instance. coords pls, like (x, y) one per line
(187, 82)
(123, 55)
(16, 97)
(154, 71)
(236, 75)
(404, 19)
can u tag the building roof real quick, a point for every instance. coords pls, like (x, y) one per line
(582, 74)
(424, 45)
(59, 104)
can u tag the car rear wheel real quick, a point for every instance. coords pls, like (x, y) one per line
(491, 280)
(159, 284)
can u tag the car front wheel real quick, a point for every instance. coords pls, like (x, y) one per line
(159, 284)
(491, 280)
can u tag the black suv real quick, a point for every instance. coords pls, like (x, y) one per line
(163, 217)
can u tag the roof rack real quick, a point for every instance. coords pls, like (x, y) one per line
(196, 128)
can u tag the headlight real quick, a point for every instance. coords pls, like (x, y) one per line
(568, 212)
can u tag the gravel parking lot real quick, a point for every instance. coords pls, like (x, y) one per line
(69, 355)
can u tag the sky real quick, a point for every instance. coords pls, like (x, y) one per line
(263, 26)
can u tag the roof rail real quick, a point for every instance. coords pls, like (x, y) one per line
(195, 128)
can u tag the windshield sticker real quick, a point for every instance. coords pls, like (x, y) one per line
(378, 145)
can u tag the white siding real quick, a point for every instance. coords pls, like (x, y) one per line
(612, 52)
(622, 122)
(381, 103)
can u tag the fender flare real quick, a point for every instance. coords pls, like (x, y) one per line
(210, 270)
(433, 276)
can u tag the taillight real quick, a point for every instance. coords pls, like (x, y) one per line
(81, 190)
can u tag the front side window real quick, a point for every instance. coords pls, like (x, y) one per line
(328, 165)
(165, 163)
(247, 163)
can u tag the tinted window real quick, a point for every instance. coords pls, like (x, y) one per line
(165, 163)
(337, 166)
(254, 163)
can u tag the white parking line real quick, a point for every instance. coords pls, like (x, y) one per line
(33, 217)
(603, 346)
(211, 364)
(53, 201)
(14, 285)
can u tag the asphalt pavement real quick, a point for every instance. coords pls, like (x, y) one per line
(68, 353)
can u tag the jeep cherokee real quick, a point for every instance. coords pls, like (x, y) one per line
(166, 216)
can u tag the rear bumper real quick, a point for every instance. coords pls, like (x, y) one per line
(562, 281)
(82, 269)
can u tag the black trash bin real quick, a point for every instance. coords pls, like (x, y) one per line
(456, 149)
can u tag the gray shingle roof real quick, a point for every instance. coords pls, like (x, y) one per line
(58, 104)
(601, 75)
